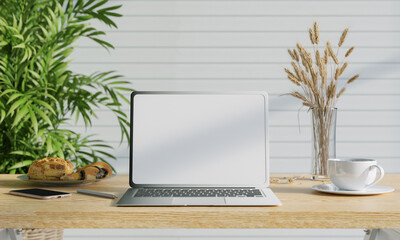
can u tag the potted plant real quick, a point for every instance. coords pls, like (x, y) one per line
(39, 95)
(317, 75)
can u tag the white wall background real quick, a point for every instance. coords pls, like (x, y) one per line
(241, 45)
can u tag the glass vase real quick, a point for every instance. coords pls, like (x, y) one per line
(323, 141)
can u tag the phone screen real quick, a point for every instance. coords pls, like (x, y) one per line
(39, 192)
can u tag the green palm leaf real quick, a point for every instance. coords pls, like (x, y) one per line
(21, 164)
(39, 94)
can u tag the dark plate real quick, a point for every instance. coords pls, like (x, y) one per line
(63, 183)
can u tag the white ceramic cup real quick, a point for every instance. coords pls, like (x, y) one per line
(354, 173)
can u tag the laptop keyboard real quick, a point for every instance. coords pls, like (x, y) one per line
(198, 192)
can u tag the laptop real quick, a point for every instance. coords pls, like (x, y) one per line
(199, 149)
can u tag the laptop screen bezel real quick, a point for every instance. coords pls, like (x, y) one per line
(261, 93)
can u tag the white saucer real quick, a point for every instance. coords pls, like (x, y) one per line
(330, 188)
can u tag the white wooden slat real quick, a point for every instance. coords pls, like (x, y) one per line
(269, 23)
(272, 86)
(237, 8)
(362, 102)
(212, 238)
(284, 134)
(303, 165)
(211, 232)
(299, 165)
(362, 86)
(278, 94)
(350, 119)
(217, 55)
(242, 39)
(365, 102)
(343, 134)
(212, 70)
(303, 149)
(343, 149)
(282, 234)
(350, 102)
(319, 236)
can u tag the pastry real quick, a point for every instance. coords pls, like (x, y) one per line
(50, 168)
(98, 170)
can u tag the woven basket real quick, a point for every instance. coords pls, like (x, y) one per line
(42, 234)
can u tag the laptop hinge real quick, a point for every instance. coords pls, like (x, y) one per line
(194, 186)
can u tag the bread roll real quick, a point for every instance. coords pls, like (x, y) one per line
(50, 168)
(97, 170)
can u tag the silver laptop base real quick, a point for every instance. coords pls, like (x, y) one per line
(128, 200)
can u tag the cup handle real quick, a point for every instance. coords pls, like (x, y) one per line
(381, 174)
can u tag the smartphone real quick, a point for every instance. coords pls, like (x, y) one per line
(40, 193)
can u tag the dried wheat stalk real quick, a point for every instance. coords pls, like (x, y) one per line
(343, 37)
(313, 77)
(349, 52)
(316, 31)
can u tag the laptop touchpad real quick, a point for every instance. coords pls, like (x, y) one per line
(151, 201)
(199, 201)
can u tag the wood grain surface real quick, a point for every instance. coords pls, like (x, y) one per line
(302, 208)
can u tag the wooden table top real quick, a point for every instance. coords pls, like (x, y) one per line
(302, 208)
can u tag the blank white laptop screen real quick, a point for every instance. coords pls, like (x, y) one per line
(206, 139)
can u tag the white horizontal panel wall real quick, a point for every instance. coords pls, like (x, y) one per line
(226, 70)
(281, 134)
(216, 55)
(377, 102)
(256, 8)
(302, 149)
(242, 39)
(290, 118)
(253, 23)
(242, 45)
